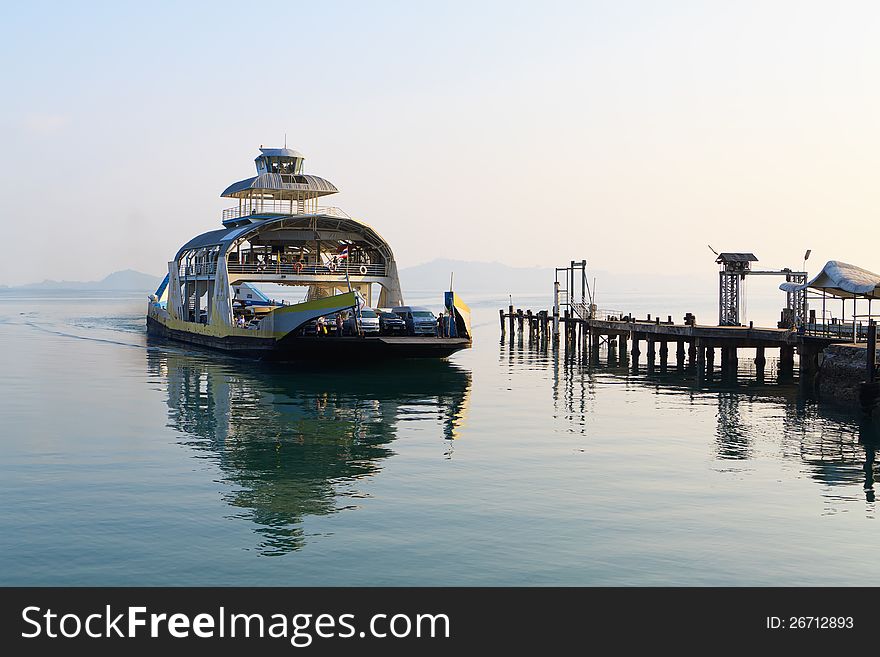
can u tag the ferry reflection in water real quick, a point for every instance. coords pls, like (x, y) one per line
(294, 441)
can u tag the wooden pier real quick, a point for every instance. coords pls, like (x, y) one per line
(692, 346)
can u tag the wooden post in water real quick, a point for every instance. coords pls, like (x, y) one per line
(760, 358)
(872, 352)
(808, 362)
(728, 359)
(786, 358)
(692, 353)
(732, 360)
(635, 349)
(710, 359)
(512, 319)
(760, 361)
(501, 315)
(611, 343)
(664, 355)
(531, 325)
(651, 353)
(621, 350)
(519, 320)
(679, 355)
(701, 357)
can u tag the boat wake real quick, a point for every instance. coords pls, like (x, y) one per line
(89, 338)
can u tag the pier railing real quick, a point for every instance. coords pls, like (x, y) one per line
(590, 311)
(856, 332)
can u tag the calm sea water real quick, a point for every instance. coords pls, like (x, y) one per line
(125, 461)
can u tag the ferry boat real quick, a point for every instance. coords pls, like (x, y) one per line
(278, 234)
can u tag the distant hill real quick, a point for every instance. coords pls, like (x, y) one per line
(476, 277)
(495, 277)
(127, 279)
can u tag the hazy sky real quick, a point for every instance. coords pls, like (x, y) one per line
(630, 134)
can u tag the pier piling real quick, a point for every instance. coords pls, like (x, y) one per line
(786, 358)
(808, 363)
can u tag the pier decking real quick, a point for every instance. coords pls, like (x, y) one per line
(695, 344)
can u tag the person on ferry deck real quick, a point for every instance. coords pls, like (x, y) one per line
(338, 325)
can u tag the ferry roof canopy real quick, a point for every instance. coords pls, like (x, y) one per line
(281, 152)
(280, 177)
(841, 279)
(225, 236)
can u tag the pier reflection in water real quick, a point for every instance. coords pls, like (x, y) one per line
(295, 441)
(835, 446)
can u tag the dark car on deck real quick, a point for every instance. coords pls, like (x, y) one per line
(390, 323)
(309, 328)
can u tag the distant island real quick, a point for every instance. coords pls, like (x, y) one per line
(127, 279)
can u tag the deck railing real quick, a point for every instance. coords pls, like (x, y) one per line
(353, 269)
(281, 208)
(200, 269)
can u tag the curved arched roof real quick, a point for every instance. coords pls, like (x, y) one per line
(307, 186)
(225, 236)
(841, 279)
(281, 152)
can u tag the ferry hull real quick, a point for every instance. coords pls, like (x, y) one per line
(316, 348)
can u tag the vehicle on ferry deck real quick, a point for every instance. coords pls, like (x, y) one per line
(390, 323)
(419, 321)
(368, 320)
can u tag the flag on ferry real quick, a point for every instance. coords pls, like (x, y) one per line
(343, 253)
